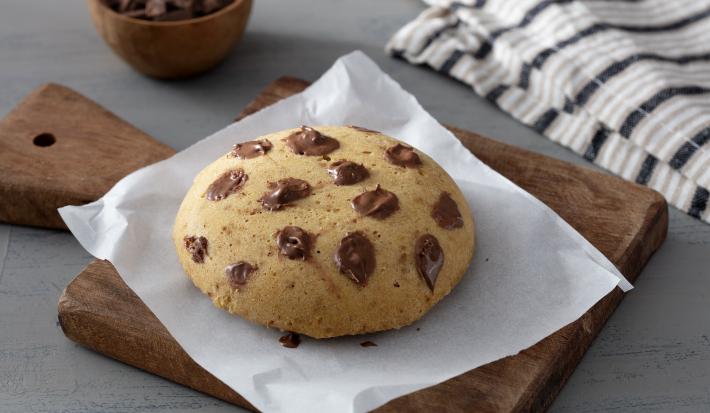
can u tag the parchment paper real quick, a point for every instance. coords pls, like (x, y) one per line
(532, 273)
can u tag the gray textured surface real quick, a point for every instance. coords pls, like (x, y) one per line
(653, 355)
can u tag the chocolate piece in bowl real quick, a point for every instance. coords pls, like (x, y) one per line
(326, 238)
(166, 10)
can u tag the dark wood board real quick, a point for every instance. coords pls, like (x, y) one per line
(59, 148)
(625, 221)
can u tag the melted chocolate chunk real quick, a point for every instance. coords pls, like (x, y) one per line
(377, 204)
(355, 257)
(283, 192)
(361, 129)
(197, 247)
(290, 340)
(368, 343)
(251, 149)
(228, 183)
(238, 273)
(446, 212)
(402, 155)
(429, 258)
(310, 142)
(294, 243)
(347, 173)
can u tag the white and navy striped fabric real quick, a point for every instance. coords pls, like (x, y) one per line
(624, 83)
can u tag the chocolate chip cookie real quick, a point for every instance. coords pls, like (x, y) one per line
(325, 231)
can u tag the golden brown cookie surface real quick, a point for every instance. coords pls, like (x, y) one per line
(325, 231)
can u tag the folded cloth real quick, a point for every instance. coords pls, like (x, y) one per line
(625, 84)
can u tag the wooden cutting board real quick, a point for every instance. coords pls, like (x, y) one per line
(59, 148)
(625, 221)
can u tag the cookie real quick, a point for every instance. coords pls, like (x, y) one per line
(325, 231)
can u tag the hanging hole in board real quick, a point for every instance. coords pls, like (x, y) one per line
(44, 140)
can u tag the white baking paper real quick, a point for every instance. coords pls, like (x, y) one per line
(532, 273)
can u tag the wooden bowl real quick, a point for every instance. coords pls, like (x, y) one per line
(175, 49)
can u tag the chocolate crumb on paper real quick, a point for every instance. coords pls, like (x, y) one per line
(290, 340)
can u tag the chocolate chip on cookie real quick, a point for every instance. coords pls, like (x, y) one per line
(361, 129)
(429, 258)
(294, 243)
(402, 155)
(284, 192)
(197, 247)
(250, 149)
(377, 204)
(347, 173)
(238, 273)
(310, 142)
(227, 184)
(446, 213)
(355, 257)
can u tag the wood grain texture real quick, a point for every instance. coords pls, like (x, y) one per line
(91, 151)
(625, 221)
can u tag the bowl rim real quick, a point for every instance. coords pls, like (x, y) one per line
(224, 10)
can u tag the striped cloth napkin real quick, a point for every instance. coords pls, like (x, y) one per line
(624, 83)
